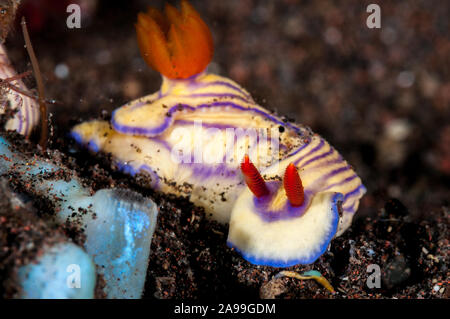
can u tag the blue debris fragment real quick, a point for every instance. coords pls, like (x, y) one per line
(119, 240)
(64, 271)
(118, 224)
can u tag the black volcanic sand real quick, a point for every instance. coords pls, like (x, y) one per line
(379, 96)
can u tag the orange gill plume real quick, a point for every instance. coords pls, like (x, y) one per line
(177, 44)
(253, 179)
(293, 186)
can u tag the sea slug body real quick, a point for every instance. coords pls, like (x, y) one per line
(293, 192)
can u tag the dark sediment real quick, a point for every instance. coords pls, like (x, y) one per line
(379, 96)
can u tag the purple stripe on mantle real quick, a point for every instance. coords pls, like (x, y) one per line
(216, 95)
(354, 192)
(315, 149)
(169, 118)
(229, 85)
(318, 157)
(345, 181)
(193, 85)
(205, 171)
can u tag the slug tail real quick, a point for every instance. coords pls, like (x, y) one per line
(178, 44)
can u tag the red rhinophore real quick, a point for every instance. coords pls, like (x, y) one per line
(253, 179)
(178, 44)
(293, 186)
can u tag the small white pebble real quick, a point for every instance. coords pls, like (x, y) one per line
(103, 57)
(388, 35)
(398, 129)
(405, 79)
(332, 36)
(61, 71)
(377, 70)
(394, 191)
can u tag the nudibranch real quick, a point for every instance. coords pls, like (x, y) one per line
(284, 191)
(16, 97)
